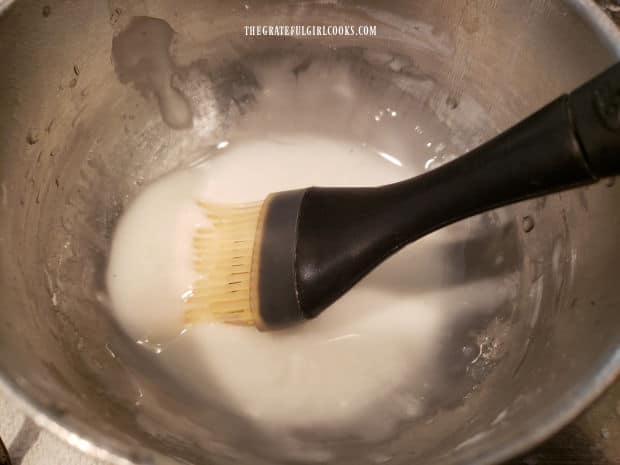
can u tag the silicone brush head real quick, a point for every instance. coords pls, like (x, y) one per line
(245, 259)
(223, 252)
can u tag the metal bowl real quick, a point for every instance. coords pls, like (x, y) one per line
(80, 136)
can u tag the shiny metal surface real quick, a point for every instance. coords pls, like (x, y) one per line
(78, 143)
(594, 437)
(4, 4)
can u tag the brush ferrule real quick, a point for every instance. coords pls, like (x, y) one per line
(274, 296)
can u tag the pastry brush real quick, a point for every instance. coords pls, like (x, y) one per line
(284, 260)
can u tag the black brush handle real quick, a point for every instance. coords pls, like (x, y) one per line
(595, 107)
(344, 233)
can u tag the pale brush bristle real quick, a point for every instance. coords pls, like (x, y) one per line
(223, 259)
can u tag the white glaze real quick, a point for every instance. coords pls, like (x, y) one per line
(352, 371)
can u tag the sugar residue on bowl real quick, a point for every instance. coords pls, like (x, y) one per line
(141, 57)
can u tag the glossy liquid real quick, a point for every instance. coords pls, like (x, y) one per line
(359, 369)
